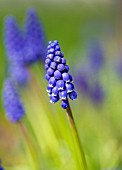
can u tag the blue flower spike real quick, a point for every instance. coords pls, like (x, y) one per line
(11, 102)
(34, 41)
(14, 45)
(13, 40)
(59, 80)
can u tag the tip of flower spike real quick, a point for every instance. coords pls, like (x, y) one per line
(56, 42)
(31, 11)
(53, 44)
(9, 19)
(49, 42)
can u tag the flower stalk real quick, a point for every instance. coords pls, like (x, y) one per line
(29, 146)
(75, 135)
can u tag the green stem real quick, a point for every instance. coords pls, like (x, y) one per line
(29, 146)
(76, 136)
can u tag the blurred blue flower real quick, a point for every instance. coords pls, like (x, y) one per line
(118, 67)
(34, 39)
(95, 55)
(87, 74)
(14, 45)
(96, 93)
(23, 47)
(89, 86)
(11, 102)
(59, 80)
(13, 40)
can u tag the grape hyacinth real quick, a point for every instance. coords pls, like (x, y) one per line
(11, 102)
(87, 82)
(13, 40)
(60, 84)
(34, 40)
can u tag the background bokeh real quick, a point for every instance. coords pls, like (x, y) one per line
(84, 29)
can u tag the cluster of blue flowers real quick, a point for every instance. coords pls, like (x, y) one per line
(60, 84)
(23, 47)
(11, 101)
(87, 81)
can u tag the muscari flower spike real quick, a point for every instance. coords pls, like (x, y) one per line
(11, 102)
(13, 40)
(60, 84)
(34, 41)
(14, 45)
